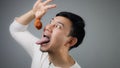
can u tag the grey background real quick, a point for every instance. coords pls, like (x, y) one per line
(100, 48)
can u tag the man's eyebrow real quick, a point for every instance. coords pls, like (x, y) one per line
(60, 23)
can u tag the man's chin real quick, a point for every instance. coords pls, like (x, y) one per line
(45, 47)
(43, 50)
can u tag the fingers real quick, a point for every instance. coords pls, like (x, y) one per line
(37, 3)
(46, 2)
(41, 8)
(50, 6)
(39, 0)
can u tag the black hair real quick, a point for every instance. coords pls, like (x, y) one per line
(77, 28)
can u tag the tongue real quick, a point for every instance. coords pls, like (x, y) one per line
(42, 40)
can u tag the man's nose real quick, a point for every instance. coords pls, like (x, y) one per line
(49, 27)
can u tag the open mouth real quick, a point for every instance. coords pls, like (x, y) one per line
(44, 40)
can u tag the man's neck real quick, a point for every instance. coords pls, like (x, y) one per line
(61, 59)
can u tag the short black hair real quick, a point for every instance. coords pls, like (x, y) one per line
(77, 28)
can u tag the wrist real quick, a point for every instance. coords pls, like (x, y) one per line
(32, 13)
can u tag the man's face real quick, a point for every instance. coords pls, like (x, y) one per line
(55, 35)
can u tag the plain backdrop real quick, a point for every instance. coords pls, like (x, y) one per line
(101, 45)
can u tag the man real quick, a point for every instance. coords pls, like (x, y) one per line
(64, 32)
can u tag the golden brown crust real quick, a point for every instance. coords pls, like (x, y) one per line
(38, 23)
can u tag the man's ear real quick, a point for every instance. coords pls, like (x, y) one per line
(73, 41)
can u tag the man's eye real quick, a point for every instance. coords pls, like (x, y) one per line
(58, 26)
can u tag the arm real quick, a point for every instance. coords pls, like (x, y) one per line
(20, 33)
(18, 28)
(26, 18)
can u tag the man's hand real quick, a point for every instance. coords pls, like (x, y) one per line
(40, 8)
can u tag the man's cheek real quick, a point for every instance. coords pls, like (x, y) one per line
(58, 35)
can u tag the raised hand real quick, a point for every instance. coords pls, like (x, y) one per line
(40, 8)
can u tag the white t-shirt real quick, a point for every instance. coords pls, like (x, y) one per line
(39, 59)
